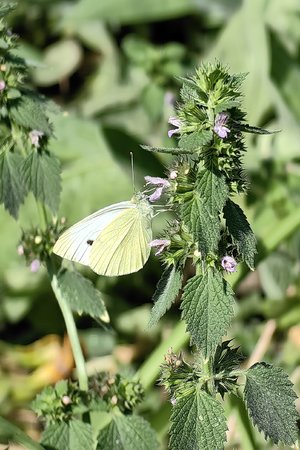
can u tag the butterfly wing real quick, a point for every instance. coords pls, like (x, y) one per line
(123, 246)
(75, 243)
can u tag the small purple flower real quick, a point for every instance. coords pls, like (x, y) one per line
(20, 250)
(2, 85)
(35, 266)
(173, 174)
(160, 245)
(220, 129)
(160, 183)
(35, 136)
(176, 123)
(229, 264)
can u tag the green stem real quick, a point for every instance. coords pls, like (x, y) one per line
(268, 242)
(71, 329)
(42, 214)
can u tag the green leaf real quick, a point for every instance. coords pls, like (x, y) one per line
(131, 11)
(213, 189)
(166, 292)
(81, 295)
(270, 400)
(241, 232)
(12, 190)
(207, 308)
(205, 228)
(255, 130)
(201, 213)
(29, 112)
(170, 150)
(127, 433)
(194, 141)
(198, 423)
(11, 433)
(40, 173)
(61, 59)
(75, 435)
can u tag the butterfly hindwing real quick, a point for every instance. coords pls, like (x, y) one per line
(123, 246)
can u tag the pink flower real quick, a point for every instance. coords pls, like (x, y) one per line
(229, 264)
(35, 136)
(176, 123)
(220, 129)
(35, 265)
(173, 174)
(160, 245)
(2, 85)
(160, 183)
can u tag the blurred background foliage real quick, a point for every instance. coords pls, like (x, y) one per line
(113, 67)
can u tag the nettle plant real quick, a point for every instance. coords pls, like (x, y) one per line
(208, 238)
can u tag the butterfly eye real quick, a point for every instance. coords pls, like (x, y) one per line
(89, 242)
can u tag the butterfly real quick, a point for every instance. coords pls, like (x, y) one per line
(113, 241)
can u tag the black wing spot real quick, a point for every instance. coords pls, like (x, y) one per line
(89, 242)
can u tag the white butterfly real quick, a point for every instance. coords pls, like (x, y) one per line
(112, 241)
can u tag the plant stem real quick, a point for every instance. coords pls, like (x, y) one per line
(71, 329)
(268, 242)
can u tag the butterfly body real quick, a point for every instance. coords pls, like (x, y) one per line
(112, 241)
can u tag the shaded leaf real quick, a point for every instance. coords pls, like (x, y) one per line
(270, 400)
(75, 435)
(40, 173)
(241, 232)
(127, 433)
(172, 151)
(81, 295)
(166, 292)
(198, 423)
(61, 59)
(207, 308)
(12, 190)
(29, 111)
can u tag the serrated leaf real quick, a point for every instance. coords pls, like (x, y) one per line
(6, 8)
(254, 130)
(28, 111)
(12, 190)
(213, 189)
(40, 173)
(127, 433)
(81, 295)
(200, 214)
(207, 308)
(198, 423)
(166, 292)
(270, 400)
(241, 232)
(75, 435)
(204, 227)
(194, 141)
(170, 150)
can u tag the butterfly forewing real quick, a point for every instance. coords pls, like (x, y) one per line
(123, 246)
(75, 244)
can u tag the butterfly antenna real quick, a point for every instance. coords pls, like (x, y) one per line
(132, 173)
